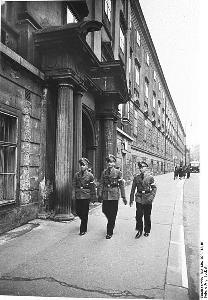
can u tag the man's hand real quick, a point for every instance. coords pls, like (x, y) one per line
(100, 199)
(130, 204)
(124, 201)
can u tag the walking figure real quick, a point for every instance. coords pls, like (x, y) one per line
(180, 172)
(188, 171)
(111, 185)
(146, 190)
(84, 188)
(176, 171)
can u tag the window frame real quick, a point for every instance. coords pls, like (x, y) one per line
(16, 114)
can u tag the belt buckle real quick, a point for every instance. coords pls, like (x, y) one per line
(143, 192)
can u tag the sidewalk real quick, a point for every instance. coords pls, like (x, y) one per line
(53, 260)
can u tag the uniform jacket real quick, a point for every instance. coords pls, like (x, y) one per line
(84, 185)
(110, 184)
(146, 189)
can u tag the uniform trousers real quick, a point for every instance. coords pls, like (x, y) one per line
(110, 209)
(143, 210)
(82, 210)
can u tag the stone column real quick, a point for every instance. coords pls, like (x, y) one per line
(64, 153)
(109, 137)
(77, 129)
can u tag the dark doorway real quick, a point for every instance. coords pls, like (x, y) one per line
(88, 149)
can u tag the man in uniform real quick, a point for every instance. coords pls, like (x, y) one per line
(146, 190)
(84, 191)
(110, 184)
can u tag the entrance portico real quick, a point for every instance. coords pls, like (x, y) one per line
(72, 69)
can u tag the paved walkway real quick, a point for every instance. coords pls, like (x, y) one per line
(192, 233)
(53, 260)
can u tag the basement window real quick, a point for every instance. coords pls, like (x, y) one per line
(8, 157)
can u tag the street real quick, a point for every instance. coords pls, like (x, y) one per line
(46, 258)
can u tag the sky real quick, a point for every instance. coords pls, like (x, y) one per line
(175, 30)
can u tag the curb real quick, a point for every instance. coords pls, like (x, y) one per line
(176, 285)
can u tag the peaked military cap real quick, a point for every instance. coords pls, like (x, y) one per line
(142, 164)
(110, 157)
(84, 161)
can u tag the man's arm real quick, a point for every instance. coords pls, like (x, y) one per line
(133, 187)
(100, 187)
(92, 188)
(122, 187)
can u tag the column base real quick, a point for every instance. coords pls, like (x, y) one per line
(63, 217)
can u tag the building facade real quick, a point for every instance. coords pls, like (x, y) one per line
(78, 78)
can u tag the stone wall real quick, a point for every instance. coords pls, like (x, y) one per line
(20, 93)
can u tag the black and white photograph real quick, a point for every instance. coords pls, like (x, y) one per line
(102, 170)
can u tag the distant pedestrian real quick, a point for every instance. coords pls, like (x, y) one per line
(188, 171)
(111, 185)
(146, 190)
(84, 192)
(176, 171)
(184, 171)
(180, 172)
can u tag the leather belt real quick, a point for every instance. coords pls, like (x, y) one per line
(144, 192)
(111, 185)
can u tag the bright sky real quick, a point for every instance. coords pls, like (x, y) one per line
(174, 28)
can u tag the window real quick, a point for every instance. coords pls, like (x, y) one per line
(130, 20)
(145, 130)
(135, 122)
(137, 74)
(138, 38)
(146, 88)
(130, 64)
(136, 95)
(154, 100)
(159, 85)
(122, 41)
(147, 59)
(128, 109)
(159, 109)
(154, 75)
(8, 150)
(70, 18)
(120, 108)
(108, 9)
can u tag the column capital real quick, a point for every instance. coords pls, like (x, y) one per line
(65, 84)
